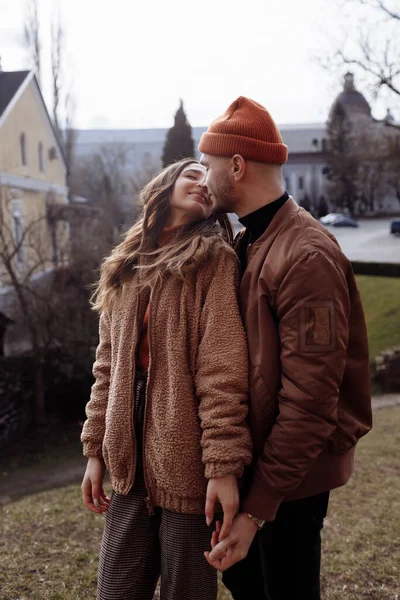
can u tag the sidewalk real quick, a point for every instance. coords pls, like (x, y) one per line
(385, 401)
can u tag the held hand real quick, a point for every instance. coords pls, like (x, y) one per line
(233, 548)
(226, 491)
(93, 494)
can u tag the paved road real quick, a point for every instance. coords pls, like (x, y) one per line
(385, 401)
(371, 241)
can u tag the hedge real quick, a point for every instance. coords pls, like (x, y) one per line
(376, 269)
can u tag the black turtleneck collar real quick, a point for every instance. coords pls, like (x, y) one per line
(259, 220)
(256, 224)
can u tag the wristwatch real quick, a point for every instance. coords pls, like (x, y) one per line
(259, 522)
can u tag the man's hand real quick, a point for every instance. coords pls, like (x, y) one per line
(93, 494)
(235, 547)
(226, 491)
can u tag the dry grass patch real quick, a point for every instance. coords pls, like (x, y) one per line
(50, 543)
(362, 532)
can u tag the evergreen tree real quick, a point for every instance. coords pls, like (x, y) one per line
(342, 168)
(305, 203)
(323, 207)
(179, 142)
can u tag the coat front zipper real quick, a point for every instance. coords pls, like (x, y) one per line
(148, 499)
(133, 382)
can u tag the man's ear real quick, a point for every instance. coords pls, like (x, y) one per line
(238, 165)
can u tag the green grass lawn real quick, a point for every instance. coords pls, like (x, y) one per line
(381, 301)
(49, 543)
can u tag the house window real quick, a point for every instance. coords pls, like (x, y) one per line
(18, 233)
(22, 143)
(54, 246)
(41, 158)
(315, 144)
(301, 183)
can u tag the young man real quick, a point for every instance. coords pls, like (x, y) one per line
(309, 381)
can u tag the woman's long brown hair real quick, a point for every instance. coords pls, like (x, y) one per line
(138, 251)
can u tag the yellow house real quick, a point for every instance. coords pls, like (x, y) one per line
(32, 177)
(33, 173)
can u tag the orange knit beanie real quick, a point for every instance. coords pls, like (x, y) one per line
(247, 129)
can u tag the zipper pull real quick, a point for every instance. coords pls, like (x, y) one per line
(149, 505)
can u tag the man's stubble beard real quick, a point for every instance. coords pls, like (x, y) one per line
(224, 199)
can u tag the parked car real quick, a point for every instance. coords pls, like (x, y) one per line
(395, 227)
(330, 218)
(344, 221)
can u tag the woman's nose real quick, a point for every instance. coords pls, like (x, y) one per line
(202, 183)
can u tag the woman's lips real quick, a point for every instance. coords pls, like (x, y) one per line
(199, 198)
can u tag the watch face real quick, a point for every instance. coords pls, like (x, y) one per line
(259, 522)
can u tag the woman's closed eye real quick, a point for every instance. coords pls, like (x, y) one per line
(194, 174)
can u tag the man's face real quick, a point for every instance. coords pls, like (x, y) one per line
(219, 183)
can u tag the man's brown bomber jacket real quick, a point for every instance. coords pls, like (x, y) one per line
(309, 380)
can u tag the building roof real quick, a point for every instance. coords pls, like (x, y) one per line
(298, 137)
(350, 102)
(10, 82)
(127, 136)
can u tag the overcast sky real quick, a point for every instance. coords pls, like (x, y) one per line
(131, 60)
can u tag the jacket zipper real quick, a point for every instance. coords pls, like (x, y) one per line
(133, 381)
(148, 499)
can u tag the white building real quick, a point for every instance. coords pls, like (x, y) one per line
(307, 143)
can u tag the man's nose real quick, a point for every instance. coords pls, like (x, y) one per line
(203, 182)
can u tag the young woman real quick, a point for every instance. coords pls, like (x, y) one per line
(167, 413)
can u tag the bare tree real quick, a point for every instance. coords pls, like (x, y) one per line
(16, 241)
(57, 51)
(69, 136)
(371, 183)
(102, 178)
(62, 92)
(63, 109)
(373, 46)
(44, 297)
(370, 151)
(383, 7)
(392, 164)
(32, 36)
(141, 177)
(109, 182)
(363, 164)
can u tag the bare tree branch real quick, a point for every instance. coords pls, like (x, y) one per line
(32, 36)
(380, 5)
(57, 48)
(376, 51)
(384, 70)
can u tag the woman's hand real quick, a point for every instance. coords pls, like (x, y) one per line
(93, 494)
(226, 491)
(235, 546)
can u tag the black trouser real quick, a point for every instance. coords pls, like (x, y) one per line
(284, 560)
